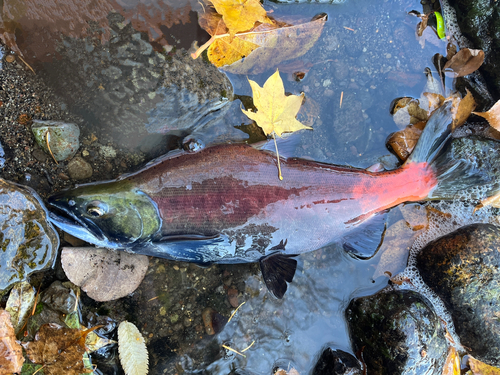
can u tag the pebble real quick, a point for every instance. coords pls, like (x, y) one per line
(207, 316)
(232, 296)
(79, 169)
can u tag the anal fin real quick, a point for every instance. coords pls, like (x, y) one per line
(365, 240)
(278, 269)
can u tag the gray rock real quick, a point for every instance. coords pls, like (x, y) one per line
(63, 138)
(79, 169)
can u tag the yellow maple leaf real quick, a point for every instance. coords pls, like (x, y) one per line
(275, 111)
(240, 15)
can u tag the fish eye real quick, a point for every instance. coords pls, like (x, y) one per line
(97, 209)
(71, 203)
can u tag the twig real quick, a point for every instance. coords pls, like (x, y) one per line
(248, 347)
(234, 312)
(233, 350)
(341, 97)
(28, 65)
(278, 156)
(47, 138)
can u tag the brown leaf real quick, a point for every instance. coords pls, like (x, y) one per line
(493, 201)
(493, 115)
(479, 368)
(403, 142)
(452, 364)
(59, 349)
(104, 274)
(11, 353)
(462, 108)
(422, 24)
(435, 101)
(464, 62)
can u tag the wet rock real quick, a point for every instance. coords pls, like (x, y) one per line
(79, 169)
(232, 297)
(207, 316)
(59, 298)
(63, 138)
(397, 333)
(479, 21)
(28, 241)
(462, 268)
(337, 362)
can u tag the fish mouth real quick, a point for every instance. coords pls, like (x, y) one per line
(85, 230)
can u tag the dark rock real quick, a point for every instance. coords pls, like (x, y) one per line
(479, 21)
(59, 298)
(397, 333)
(462, 268)
(79, 169)
(337, 362)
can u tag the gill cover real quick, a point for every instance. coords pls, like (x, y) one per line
(114, 213)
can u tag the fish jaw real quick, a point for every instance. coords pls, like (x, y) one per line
(78, 230)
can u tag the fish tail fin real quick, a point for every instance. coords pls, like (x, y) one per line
(458, 176)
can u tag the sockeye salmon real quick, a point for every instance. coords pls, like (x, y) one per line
(225, 204)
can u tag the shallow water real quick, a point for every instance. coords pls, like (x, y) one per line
(367, 55)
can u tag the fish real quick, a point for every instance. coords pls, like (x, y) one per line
(225, 203)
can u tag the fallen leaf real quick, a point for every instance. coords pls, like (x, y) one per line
(281, 371)
(59, 349)
(263, 47)
(104, 275)
(20, 303)
(422, 24)
(11, 353)
(240, 15)
(464, 62)
(407, 111)
(462, 108)
(479, 368)
(493, 115)
(435, 101)
(452, 364)
(275, 111)
(403, 142)
(493, 201)
(132, 349)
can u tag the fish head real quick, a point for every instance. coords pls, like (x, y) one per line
(112, 215)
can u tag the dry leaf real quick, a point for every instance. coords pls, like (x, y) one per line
(11, 353)
(132, 349)
(104, 275)
(462, 108)
(452, 364)
(20, 303)
(240, 15)
(275, 111)
(479, 368)
(464, 62)
(493, 115)
(59, 349)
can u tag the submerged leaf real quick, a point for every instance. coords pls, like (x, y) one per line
(20, 303)
(132, 349)
(11, 353)
(464, 62)
(103, 274)
(240, 15)
(493, 115)
(275, 111)
(403, 142)
(59, 349)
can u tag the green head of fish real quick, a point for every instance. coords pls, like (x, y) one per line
(114, 213)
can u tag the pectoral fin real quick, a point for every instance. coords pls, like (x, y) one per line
(278, 269)
(365, 240)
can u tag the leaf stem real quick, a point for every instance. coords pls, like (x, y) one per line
(278, 156)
